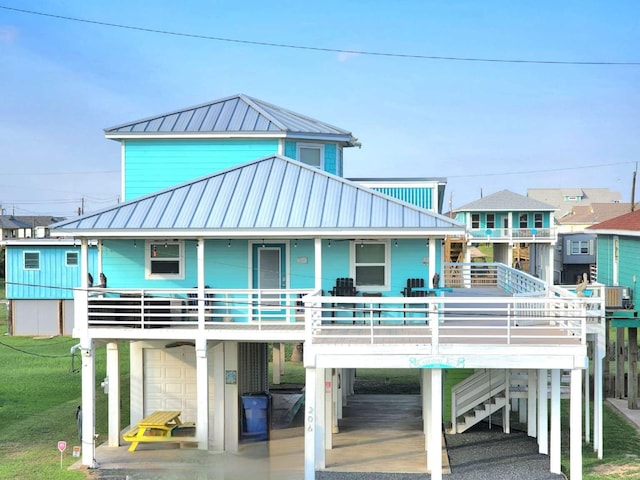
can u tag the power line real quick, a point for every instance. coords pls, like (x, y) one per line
(529, 172)
(320, 49)
(33, 174)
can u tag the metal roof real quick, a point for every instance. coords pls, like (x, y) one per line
(264, 198)
(238, 114)
(505, 201)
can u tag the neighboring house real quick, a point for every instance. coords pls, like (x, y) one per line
(576, 249)
(26, 226)
(264, 242)
(41, 275)
(618, 251)
(564, 199)
(508, 221)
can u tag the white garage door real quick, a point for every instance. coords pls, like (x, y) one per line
(170, 381)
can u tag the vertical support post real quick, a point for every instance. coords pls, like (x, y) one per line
(432, 261)
(434, 454)
(575, 425)
(202, 393)
(88, 401)
(113, 390)
(543, 412)
(632, 371)
(219, 384)
(317, 264)
(506, 411)
(339, 390)
(276, 363)
(426, 406)
(231, 407)
(600, 358)
(321, 426)
(587, 406)
(555, 453)
(532, 397)
(620, 362)
(328, 409)
(310, 424)
(201, 295)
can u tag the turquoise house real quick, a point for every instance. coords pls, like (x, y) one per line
(508, 221)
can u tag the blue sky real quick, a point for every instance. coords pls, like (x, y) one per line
(485, 126)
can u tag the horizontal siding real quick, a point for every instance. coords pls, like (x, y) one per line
(153, 165)
(421, 197)
(53, 280)
(629, 261)
(605, 259)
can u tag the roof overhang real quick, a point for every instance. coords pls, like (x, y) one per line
(621, 233)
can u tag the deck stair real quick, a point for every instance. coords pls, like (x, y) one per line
(484, 393)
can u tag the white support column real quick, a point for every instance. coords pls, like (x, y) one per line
(339, 390)
(201, 295)
(136, 383)
(218, 416)
(321, 426)
(599, 356)
(555, 449)
(276, 362)
(328, 409)
(318, 264)
(231, 407)
(587, 406)
(202, 394)
(575, 425)
(506, 411)
(532, 407)
(88, 402)
(113, 390)
(426, 405)
(434, 454)
(543, 412)
(310, 424)
(522, 410)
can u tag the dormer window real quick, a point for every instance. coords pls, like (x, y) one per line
(311, 154)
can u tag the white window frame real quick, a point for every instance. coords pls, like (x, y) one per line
(387, 265)
(24, 259)
(475, 220)
(148, 260)
(525, 217)
(66, 258)
(490, 220)
(315, 146)
(538, 220)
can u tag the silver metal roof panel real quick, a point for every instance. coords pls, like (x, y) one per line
(272, 193)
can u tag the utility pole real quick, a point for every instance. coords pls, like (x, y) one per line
(633, 189)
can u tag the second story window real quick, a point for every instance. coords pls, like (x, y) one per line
(475, 220)
(370, 264)
(524, 220)
(164, 260)
(491, 220)
(537, 220)
(310, 154)
(31, 260)
(71, 259)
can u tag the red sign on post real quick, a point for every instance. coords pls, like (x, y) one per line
(62, 446)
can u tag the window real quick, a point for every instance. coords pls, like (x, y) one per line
(491, 220)
(580, 247)
(31, 260)
(310, 154)
(537, 220)
(370, 264)
(71, 259)
(164, 260)
(524, 220)
(475, 220)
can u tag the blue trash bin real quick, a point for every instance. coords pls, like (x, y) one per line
(256, 416)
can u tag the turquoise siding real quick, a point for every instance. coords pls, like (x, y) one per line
(302, 274)
(152, 165)
(332, 163)
(628, 264)
(421, 197)
(500, 216)
(53, 280)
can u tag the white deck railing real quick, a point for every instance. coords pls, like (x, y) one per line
(515, 234)
(476, 274)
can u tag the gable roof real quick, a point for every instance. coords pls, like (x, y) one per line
(27, 221)
(627, 224)
(272, 196)
(565, 198)
(505, 201)
(239, 115)
(594, 213)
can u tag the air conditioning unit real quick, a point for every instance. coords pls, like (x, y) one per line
(618, 297)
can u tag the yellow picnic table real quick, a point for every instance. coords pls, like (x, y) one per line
(157, 427)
